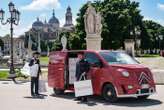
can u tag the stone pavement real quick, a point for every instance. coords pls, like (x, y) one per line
(17, 97)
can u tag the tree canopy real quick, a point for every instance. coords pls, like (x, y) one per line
(120, 18)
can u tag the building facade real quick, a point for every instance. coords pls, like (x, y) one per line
(42, 33)
(18, 46)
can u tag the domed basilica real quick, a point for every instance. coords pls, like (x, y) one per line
(43, 33)
(50, 30)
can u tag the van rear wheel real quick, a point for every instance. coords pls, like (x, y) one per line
(58, 91)
(109, 93)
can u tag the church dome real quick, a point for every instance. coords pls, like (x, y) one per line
(37, 23)
(53, 20)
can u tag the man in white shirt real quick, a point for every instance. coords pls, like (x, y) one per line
(35, 71)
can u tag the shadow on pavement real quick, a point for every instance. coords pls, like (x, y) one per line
(68, 95)
(71, 96)
(133, 102)
(129, 102)
(40, 97)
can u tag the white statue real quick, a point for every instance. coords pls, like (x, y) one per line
(64, 42)
(92, 21)
(98, 23)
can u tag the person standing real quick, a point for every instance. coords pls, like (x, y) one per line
(35, 71)
(82, 67)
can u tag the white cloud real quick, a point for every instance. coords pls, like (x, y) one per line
(4, 29)
(160, 6)
(20, 30)
(37, 5)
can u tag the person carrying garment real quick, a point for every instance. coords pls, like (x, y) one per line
(82, 67)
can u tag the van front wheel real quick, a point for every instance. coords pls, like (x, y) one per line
(109, 93)
(58, 92)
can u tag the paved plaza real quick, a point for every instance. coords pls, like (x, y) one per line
(17, 97)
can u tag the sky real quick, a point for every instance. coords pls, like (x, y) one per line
(31, 9)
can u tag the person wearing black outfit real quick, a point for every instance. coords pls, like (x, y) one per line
(35, 79)
(82, 67)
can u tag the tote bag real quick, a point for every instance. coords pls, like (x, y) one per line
(26, 69)
(34, 70)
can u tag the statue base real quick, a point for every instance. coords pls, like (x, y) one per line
(93, 42)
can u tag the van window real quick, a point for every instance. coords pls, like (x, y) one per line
(118, 58)
(92, 58)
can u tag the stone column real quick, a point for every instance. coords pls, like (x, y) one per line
(0, 51)
(39, 48)
(93, 42)
(29, 46)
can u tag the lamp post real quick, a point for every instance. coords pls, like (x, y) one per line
(12, 20)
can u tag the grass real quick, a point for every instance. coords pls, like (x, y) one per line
(3, 74)
(44, 60)
(150, 55)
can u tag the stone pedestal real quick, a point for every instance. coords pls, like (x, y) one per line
(129, 46)
(93, 28)
(93, 42)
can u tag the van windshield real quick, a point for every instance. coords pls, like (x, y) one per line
(118, 58)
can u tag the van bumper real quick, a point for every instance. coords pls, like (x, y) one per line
(140, 92)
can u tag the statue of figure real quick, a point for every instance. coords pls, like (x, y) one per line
(90, 20)
(98, 23)
(64, 42)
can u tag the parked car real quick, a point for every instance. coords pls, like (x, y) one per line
(113, 74)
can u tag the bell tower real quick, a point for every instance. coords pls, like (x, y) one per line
(68, 17)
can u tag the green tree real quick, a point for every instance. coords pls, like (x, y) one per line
(119, 18)
(152, 31)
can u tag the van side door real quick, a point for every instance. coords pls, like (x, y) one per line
(95, 71)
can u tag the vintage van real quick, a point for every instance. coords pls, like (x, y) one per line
(113, 74)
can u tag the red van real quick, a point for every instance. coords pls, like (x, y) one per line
(113, 74)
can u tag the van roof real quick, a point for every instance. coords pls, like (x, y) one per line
(89, 51)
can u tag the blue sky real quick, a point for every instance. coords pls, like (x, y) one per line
(30, 9)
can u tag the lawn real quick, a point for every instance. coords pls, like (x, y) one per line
(3, 74)
(44, 60)
(150, 55)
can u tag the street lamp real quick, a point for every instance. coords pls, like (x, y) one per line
(12, 20)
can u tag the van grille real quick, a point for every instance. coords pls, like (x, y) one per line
(143, 78)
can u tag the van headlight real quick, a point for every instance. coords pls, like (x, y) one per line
(125, 74)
